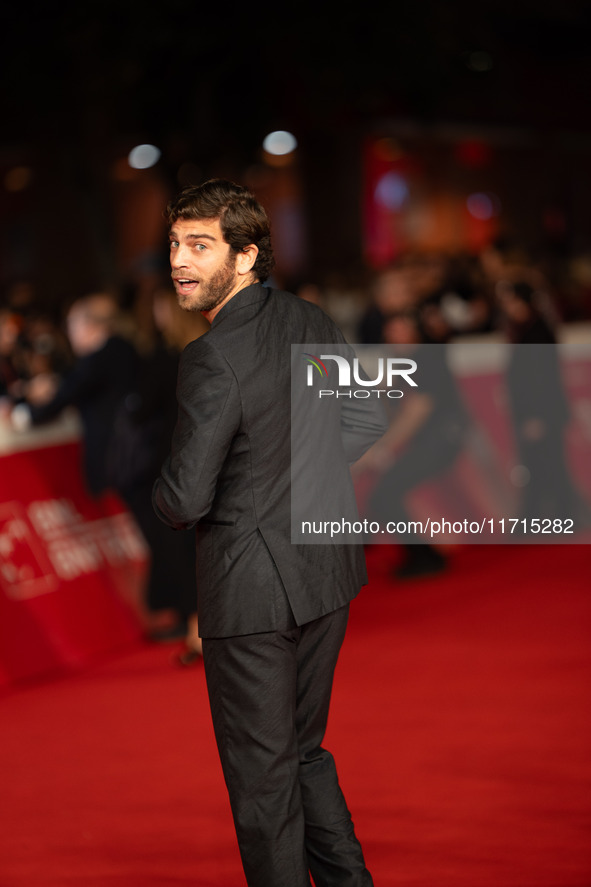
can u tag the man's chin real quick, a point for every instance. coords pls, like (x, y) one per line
(188, 302)
(191, 303)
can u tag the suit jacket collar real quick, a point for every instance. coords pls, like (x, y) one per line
(256, 292)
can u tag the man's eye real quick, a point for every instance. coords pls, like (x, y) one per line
(174, 244)
(199, 246)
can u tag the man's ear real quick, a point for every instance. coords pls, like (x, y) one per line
(246, 258)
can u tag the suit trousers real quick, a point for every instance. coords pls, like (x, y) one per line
(270, 695)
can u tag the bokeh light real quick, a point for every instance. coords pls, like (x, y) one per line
(280, 142)
(392, 191)
(483, 206)
(143, 156)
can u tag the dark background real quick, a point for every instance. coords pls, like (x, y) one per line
(205, 83)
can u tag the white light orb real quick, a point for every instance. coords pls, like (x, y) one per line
(280, 142)
(143, 156)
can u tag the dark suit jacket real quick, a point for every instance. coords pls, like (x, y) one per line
(229, 470)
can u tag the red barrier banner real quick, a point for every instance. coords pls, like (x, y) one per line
(71, 567)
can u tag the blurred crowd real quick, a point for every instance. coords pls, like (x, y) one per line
(467, 295)
(113, 357)
(425, 301)
(500, 290)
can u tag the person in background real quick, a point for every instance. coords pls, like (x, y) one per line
(45, 347)
(391, 293)
(11, 364)
(143, 431)
(539, 406)
(425, 437)
(102, 375)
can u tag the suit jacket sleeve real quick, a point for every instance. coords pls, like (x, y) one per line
(363, 422)
(209, 415)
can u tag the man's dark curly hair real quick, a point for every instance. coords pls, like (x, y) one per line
(242, 219)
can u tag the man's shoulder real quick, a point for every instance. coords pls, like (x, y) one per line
(291, 302)
(203, 349)
(260, 318)
(305, 316)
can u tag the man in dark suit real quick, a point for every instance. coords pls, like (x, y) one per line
(272, 614)
(103, 374)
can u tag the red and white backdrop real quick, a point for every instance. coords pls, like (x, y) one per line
(71, 568)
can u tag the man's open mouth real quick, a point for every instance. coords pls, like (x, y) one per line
(185, 282)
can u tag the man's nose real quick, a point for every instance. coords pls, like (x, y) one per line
(178, 258)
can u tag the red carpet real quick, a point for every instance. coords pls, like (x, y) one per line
(461, 724)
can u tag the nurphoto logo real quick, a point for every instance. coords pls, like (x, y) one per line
(388, 370)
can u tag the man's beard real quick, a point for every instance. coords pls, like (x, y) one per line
(215, 290)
